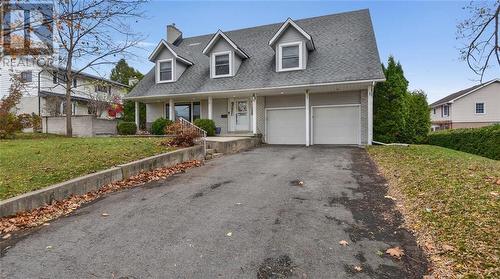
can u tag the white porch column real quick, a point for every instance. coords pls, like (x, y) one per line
(210, 110)
(171, 109)
(254, 114)
(370, 115)
(137, 112)
(308, 130)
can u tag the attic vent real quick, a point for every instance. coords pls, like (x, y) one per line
(194, 44)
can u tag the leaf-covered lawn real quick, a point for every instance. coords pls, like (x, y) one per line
(28, 164)
(451, 200)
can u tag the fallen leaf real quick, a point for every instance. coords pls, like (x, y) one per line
(343, 242)
(41, 215)
(6, 236)
(494, 194)
(358, 268)
(390, 197)
(105, 214)
(448, 248)
(498, 182)
(395, 252)
(229, 234)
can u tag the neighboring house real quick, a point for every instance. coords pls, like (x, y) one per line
(48, 98)
(308, 81)
(476, 106)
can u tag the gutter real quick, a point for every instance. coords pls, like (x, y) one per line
(373, 81)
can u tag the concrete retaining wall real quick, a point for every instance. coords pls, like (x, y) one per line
(83, 125)
(94, 181)
(234, 146)
(162, 160)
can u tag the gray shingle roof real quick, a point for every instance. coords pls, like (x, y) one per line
(345, 51)
(460, 93)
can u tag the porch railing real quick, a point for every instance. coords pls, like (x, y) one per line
(201, 133)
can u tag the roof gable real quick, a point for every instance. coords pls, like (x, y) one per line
(287, 24)
(346, 52)
(217, 36)
(462, 93)
(163, 44)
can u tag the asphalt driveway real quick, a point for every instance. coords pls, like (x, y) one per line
(240, 216)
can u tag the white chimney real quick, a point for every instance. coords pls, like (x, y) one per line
(174, 35)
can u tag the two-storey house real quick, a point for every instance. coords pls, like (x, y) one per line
(44, 88)
(474, 107)
(307, 81)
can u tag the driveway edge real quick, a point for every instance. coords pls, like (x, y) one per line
(93, 181)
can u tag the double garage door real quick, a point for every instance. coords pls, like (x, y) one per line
(329, 125)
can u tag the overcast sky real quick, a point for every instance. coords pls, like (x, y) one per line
(421, 35)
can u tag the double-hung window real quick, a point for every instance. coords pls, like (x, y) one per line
(446, 111)
(479, 108)
(222, 64)
(290, 57)
(165, 70)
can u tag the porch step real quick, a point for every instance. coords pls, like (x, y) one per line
(213, 156)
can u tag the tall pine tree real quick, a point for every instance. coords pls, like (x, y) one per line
(389, 104)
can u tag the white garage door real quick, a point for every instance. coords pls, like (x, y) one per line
(336, 125)
(286, 126)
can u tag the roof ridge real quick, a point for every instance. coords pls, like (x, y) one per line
(279, 23)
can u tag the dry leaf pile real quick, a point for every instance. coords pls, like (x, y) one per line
(56, 209)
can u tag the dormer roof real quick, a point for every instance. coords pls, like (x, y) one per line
(290, 23)
(178, 53)
(220, 35)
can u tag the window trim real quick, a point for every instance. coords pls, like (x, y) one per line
(448, 111)
(280, 56)
(172, 61)
(475, 108)
(212, 67)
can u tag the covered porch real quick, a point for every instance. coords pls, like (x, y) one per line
(233, 115)
(303, 115)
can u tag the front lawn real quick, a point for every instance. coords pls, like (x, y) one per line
(32, 162)
(451, 200)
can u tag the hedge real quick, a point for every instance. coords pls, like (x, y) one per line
(480, 141)
(159, 125)
(207, 125)
(126, 128)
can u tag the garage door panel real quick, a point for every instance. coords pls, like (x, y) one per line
(286, 126)
(336, 125)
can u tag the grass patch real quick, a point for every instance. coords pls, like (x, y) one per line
(450, 199)
(29, 163)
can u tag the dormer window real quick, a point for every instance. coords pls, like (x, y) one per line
(165, 70)
(221, 62)
(290, 56)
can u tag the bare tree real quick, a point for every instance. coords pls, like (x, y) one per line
(99, 101)
(92, 33)
(480, 32)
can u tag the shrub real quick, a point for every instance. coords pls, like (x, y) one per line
(9, 124)
(159, 125)
(480, 141)
(182, 136)
(126, 128)
(206, 124)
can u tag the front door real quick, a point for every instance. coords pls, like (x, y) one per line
(241, 115)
